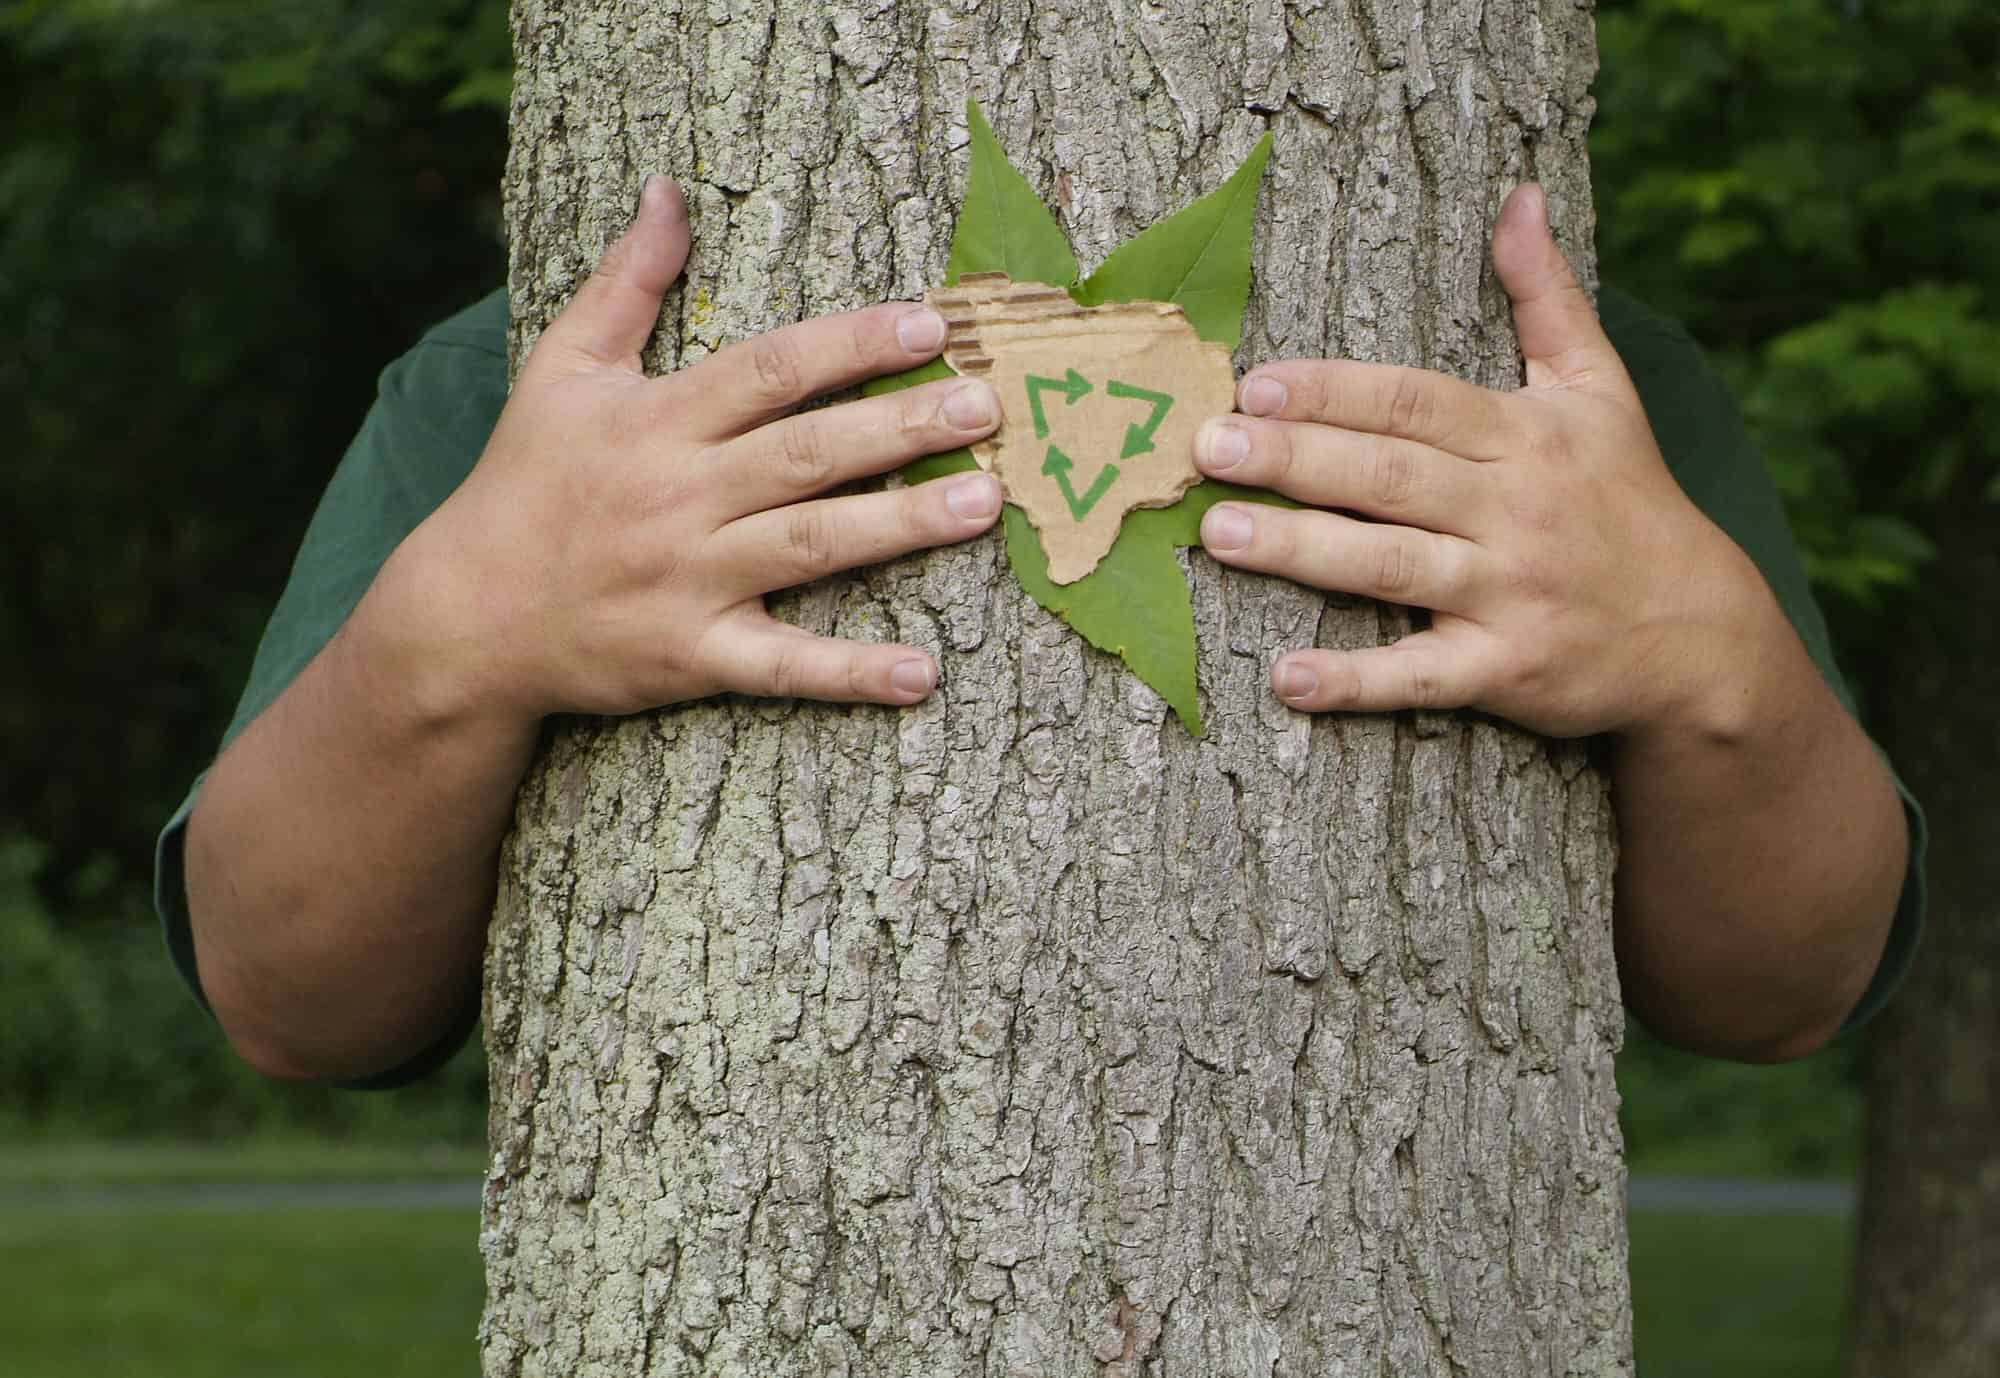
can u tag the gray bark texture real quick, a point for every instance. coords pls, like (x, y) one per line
(1021, 1033)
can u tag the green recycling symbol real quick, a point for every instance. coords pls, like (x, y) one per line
(1072, 387)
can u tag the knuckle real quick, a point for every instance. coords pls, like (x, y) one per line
(1339, 681)
(917, 413)
(1392, 477)
(803, 451)
(1452, 567)
(808, 541)
(647, 563)
(857, 678)
(630, 563)
(659, 496)
(676, 659)
(921, 518)
(1316, 388)
(1396, 568)
(1409, 404)
(871, 336)
(1532, 511)
(1530, 579)
(1552, 444)
(775, 360)
(1426, 687)
(1519, 676)
(786, 675)
(1317, 393)
(1274, 539)
(1274, 453)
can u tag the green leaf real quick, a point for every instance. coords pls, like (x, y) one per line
(1198, 258)
(1135, 604)
(1003, 227)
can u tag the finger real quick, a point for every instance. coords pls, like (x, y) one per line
(797, 456)
(768, 375)
(1398, 480)
(791, 545)
(1381, 399)
(1561, 336)
(1396, 564)
(770, 659)
(613, 314)
(1420, 671)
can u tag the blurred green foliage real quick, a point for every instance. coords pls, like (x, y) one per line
(1813, 186)
(98, 1038)
(217, 222)
(219, 218)
(1689, 1116)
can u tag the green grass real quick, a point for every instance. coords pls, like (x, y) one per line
(1739, 1296)
(389, 1293)
(57, 1162)
(294, 1294)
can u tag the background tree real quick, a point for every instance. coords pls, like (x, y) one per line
(1022, 1032)
(1856, 148)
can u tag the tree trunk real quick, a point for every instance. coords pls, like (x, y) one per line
(1927, 1295)
(1021, 1033)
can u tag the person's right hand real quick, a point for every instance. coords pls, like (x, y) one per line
(610, 551)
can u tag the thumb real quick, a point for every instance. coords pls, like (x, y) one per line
(614, 312)
(1560, 333)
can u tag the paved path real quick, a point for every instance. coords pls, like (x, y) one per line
(1725, 1196)
(1677, 1195)
(242, 1196)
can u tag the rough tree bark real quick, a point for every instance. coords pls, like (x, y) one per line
(1020, 1033)
(1927, 1287)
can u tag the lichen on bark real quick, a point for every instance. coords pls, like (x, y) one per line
(1020, 1033)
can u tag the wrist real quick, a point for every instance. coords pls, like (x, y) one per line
(428, 639)
(1737, 669)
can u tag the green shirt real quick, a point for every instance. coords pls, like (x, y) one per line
(439, 402)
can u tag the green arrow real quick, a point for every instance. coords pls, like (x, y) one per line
(1072, 387)
(1139, 439)
(1057, 466)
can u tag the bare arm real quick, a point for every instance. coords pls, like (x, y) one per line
(1761, 856)
(609, 553)
(1574, 589)
(341, 854)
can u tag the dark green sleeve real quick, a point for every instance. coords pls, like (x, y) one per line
(434, 410)
(1711, 454)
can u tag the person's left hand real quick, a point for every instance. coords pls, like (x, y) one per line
(1573, 588)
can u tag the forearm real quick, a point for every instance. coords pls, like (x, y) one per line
(1762, 851)
(341, 854)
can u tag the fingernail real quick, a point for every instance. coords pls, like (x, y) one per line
(1221, 445)
(1225, 528)
(1263, 396)
(973, 496)
(1294, 681)
(912, 677)
(920, 331)
(970, 407)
